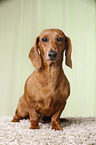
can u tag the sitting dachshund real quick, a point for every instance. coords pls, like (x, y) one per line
(47, 88)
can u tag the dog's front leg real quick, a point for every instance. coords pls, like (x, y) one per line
(56, 118)
(33, 119)
(33, 116)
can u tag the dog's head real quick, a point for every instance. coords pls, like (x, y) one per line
(49, 47)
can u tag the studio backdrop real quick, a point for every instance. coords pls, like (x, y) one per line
(21, 21)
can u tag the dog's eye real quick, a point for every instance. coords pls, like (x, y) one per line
(44, 39)
(59, 39)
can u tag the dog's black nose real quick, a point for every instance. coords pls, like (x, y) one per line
(52, 54)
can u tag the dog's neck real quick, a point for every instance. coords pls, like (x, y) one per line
(52, 71)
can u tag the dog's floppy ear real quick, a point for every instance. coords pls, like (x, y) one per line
(68, 60)
(34, 55)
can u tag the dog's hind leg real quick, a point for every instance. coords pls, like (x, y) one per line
(21, 111)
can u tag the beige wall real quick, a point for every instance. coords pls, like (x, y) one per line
(21, 21)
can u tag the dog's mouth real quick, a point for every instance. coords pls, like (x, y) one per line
(52, 60)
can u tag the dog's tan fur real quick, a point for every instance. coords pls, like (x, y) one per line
(47, 89)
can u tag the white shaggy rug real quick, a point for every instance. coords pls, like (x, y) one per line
(77, 131)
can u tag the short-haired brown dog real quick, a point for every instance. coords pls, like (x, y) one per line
(47, 88)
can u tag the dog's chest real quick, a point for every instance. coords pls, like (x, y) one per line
(48, 101)
(49, 91)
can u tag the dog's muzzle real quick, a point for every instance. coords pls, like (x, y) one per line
(52, 54)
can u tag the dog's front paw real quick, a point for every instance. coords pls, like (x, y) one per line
(34, 125)
(56, 126)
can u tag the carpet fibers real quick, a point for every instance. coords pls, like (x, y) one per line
(77, 131)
